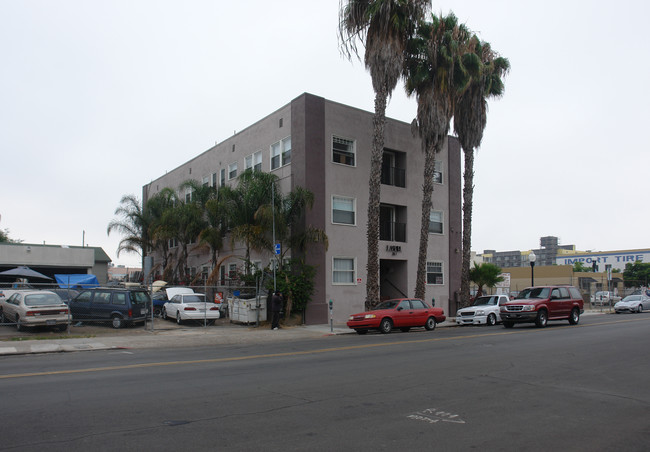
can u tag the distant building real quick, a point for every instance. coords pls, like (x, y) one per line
(617, 259)
(545, 255)
(56, 259)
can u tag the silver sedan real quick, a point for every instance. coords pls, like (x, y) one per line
(632, 303)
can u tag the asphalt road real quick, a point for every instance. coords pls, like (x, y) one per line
(568, 388)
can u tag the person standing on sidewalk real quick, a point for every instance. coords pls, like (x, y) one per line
(276, 307)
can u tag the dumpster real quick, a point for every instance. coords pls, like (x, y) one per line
(243, 310)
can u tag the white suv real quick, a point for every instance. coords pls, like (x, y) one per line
(484, 311)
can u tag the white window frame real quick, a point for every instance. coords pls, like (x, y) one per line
(280, 150)
(222, 177)
(430, 271)
(254, 161)
(353, 151)
(441, 222)
(354, 209)
(232, 168)
(438, 175)
(352, 271)
(257, 161)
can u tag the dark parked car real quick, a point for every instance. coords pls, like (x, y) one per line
(120, 306)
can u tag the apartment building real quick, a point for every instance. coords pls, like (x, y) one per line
(325, 146)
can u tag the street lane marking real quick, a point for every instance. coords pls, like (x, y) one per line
(299, 353)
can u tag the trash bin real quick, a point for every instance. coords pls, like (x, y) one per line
(246, 310)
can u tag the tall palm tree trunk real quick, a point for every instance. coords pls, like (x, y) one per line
(468, 195)
(427, 192)
(372, 267)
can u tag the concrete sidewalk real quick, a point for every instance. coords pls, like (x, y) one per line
(169, 336)
(140, 338)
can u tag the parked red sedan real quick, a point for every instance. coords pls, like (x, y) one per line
(402, 313)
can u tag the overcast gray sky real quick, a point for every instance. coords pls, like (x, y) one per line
(98, 98)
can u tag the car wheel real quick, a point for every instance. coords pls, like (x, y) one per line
(163, 314)
(179, 321)
(430, 325)
(19, 325)
(639, 309)
(406, 329)
(360, 331)
(542, 319)
(508, 324)
(63, 327)
(575, 317)
(386, 326)
(492, 320)
(117, 322)
(157, 311)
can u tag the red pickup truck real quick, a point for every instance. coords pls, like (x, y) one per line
(540, 304)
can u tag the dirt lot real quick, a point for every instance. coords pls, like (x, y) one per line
(8, 331)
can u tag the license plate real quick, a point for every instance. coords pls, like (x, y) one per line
(51, 322)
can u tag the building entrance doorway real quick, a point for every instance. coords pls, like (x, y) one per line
(393, 279)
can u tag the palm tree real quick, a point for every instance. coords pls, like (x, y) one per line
(384, 27)
(290, 230)
(434, 74)
(185, 222)
(485, 275)
(158, 232)
(133, 225)
(254, 190)
(470, 118)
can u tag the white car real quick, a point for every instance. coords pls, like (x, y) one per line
(632, 303)
(27, 308)
(484, 311)
(190, 306)
(604, 298)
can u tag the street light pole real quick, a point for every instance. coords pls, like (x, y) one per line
(532, 258)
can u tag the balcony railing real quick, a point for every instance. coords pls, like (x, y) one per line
(391, 175)
(392, 232)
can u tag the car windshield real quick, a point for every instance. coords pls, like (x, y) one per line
(42, 299)
(535, 292)
(388, 304)
(480, 301)
(194, 298)
(632, 298)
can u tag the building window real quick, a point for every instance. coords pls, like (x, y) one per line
(281, 153)
(232, 271)
(206, 181)
(214, 180)
(343, 271)
(437, 175)
(257, 161)
(435, 222)
(254, 161)
(343, 151)
(434, 273)
(223, 177)
(232, 171)
(343, 210)
(188, 195)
